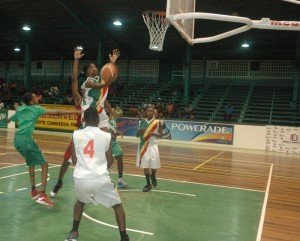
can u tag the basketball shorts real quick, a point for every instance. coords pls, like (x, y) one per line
(117, 149)
(97, 191)
(29, 149)
(150, 158)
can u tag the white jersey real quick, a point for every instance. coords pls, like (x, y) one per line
(94, 97)
(91, 144)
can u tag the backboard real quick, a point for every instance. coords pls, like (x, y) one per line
(184, 26)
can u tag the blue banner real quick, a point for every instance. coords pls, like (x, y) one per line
(185, 130)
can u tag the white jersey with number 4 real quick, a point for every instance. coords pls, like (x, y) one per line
(91, 144)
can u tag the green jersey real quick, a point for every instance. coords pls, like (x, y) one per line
(27, 116)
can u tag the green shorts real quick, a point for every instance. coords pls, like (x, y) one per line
(117, 149)
(28, 148)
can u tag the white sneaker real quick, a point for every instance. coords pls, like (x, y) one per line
(121, 183)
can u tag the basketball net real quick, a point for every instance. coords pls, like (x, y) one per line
(157, 25)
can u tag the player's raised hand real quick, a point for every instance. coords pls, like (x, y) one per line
(114, 56)
(77, 52)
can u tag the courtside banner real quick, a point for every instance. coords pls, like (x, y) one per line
(61, 122)
(128, 126)
(283, 139)
(184, 131)
(3, 118)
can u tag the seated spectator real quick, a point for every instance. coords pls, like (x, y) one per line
(13, 87)
(188, 111)
(160, 109)
(118, 111)
(6, 91)
(169, 109)
(142, 113)
(228, 111)
(1, 105)
(69, 100)
(53, 90)
(39, 97)
(133, 111)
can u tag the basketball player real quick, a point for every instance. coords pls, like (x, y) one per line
(77, 100)
(80, 105)
(96, 90)
(147, 155)
(117, 149)
(92, 155)
(26, 116)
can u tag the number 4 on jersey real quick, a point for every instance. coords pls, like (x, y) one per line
(89, 149)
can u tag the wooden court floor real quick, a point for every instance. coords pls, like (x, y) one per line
(259, 191)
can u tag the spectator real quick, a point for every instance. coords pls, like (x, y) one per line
(228, 111)
(188, 111)
(118, 111)
(133, 111)
(1, 105)
(169, 109)
(39, 97)
(13, 87)
(53, 90)
(69, 100)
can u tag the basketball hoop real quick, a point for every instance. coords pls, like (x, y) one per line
(157, 25)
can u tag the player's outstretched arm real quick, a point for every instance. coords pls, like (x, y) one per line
(74, 157)
(77, 55)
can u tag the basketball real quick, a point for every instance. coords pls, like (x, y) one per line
(109, 72)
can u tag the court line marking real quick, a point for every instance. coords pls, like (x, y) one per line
(114, 226)
(197, 183)
(21, 173)
(263, 212)
(11, 165)
(178, 193)
(200, 165)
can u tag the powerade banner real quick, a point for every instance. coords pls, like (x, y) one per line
(3, 118)
(185, 131)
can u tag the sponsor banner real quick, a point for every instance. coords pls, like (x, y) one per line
(185, 131)
(3, 118)
(128, 126)
(60, 122)
(283, 139)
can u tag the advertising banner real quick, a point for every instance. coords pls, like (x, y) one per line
(184, 130)
(3, 118)
(283, 139)
(62, 122)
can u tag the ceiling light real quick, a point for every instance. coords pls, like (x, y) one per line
(117, 23)
(26, 28)
(154, 47)
(245, 45)
(17, 49)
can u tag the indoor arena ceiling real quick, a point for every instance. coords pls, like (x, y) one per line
(59, 25)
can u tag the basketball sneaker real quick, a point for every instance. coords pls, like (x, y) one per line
(72, 237)
(153, 180)
(55, 190)
(126, 238)
(35, 194)
(43, 199)
(147, 188)
(121, 183)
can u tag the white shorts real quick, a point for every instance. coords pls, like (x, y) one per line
(97, 191)
(103, 120)
(150, 159)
